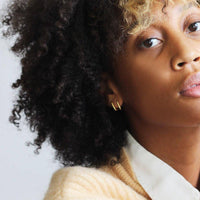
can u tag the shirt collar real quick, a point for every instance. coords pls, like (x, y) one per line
(158, 179)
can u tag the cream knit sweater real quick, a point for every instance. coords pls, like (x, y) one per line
(110, 182)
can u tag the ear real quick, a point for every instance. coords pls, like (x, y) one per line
(110, 91)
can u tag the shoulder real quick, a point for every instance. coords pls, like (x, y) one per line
(82, 183)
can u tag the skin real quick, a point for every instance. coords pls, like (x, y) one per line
(147, 81)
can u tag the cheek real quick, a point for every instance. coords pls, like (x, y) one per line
(148, 98)
(151, 93)
(144, 84)
(148, 95)
(156, 101)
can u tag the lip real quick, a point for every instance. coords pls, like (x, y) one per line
(191, 85)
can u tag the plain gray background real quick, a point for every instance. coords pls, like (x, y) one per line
(23, 175)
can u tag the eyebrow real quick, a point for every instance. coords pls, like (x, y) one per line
(181, 9)
(186, 6)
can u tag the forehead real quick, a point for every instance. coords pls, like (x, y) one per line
(139, 14)
(160, 12)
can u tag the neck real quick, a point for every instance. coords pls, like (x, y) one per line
(177, 146)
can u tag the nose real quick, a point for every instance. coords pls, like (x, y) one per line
(185, 53)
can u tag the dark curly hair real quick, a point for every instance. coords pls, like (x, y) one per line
(65, 47)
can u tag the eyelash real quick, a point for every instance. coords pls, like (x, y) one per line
(141, 44)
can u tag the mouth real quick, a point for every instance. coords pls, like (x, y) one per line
(191, 86)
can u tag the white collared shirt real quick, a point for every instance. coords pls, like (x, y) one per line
(158, 179)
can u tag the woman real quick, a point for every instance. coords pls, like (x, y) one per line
(113, 85)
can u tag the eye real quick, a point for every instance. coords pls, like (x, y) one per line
(149, 43)
(194, 26)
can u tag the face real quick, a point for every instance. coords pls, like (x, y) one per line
(150, 75)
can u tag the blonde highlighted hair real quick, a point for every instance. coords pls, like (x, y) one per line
(137, 13)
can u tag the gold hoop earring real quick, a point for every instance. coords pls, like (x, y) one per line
(119, 107)
(113, 106)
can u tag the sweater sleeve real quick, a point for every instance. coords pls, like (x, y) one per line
(80, 183)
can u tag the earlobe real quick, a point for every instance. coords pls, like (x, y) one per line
(111, 92)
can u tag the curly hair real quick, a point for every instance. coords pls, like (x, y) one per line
(65, 46)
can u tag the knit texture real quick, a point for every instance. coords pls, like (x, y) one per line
(111, 182)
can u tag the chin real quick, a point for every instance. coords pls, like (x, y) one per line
(192, 120)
